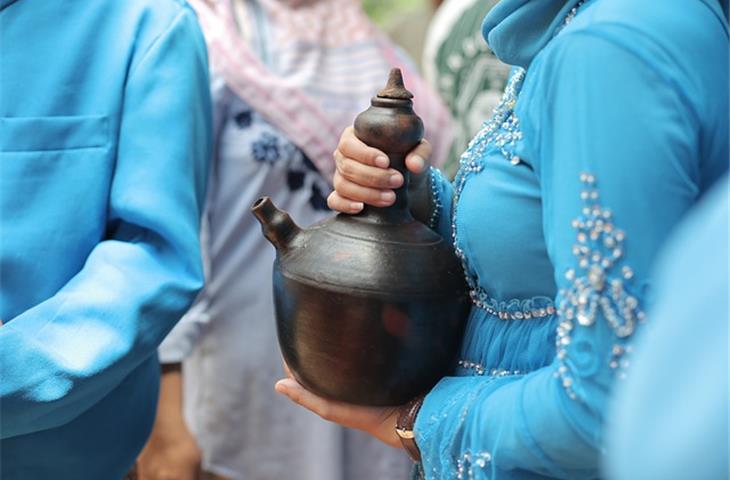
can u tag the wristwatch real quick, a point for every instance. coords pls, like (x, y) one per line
(404, 427)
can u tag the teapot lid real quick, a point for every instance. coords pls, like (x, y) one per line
(395, 88)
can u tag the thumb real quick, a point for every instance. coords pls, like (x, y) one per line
(418, 159)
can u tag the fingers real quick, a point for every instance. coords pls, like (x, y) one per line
(362, 176)
(367, 175)
(358, 193)
(417, 160)
(357, 182)
(351, 147)
(344, 205)
(377, 421)
(324, 408)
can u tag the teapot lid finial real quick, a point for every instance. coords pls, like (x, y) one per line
(395, 88)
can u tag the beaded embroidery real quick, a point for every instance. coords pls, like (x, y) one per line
(537, 307)
(469, 461)
(437, 205)
(593, 290)
(502, 131)
(571, 15)
(481, 370)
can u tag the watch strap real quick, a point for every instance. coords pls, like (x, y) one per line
(404, 427)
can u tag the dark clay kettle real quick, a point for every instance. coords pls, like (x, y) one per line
(370, 308)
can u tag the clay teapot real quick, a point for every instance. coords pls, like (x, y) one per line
(370, 308)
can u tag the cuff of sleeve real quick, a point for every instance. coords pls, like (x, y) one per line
(435, 194)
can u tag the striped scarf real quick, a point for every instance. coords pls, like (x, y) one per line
(309, 67)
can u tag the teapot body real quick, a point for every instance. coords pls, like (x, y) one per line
(366, 314)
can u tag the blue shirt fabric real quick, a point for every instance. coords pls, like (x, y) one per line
(104, 142)
(670, 417)
(615, 129)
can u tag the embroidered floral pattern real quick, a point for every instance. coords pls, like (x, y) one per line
(243, 119)
(267, 145)
(598, 286)
(266, 148)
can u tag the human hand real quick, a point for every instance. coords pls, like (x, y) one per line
(363, 174)
(379, 422)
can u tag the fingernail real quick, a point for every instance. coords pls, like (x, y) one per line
(357, 206)
(418, 162)
(382, 161)
(395, 180)
(387, 196)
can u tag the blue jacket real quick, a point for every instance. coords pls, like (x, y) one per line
(104, 140)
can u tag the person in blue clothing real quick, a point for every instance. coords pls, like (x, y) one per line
(670, 417)
(613, 125)
(104, 142)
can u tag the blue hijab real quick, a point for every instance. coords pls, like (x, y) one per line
(516, 30)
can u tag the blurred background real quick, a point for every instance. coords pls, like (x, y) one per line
(379, 9)
(405, 21)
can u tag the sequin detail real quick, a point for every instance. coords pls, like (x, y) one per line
(436, 203)
(501, 131)
(598, 286)
(468, 463)
(570, 16)
(537, 307)
(481, 370)
(620, 359)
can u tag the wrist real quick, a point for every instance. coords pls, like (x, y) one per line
(170, 417)
(405, 427)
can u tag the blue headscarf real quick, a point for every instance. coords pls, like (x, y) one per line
(516, 30)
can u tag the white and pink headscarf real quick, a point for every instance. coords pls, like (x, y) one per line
(309, 67)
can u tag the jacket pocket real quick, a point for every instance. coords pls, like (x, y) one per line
(39, 134)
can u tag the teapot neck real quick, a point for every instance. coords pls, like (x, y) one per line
(399, 211)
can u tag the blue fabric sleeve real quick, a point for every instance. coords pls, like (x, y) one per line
(63, 355)
(615, 148)
(187, 334)
(442, 196)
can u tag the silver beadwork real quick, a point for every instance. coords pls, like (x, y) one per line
(539, 307)
(501, 131)
(481, 370)
(571, 15)
(594, 287)
(437, 205)
(468, 461)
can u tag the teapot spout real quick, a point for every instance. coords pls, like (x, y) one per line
(277, 225)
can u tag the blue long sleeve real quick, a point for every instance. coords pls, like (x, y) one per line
(614, 141)
(64, 354)
(441, 195)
